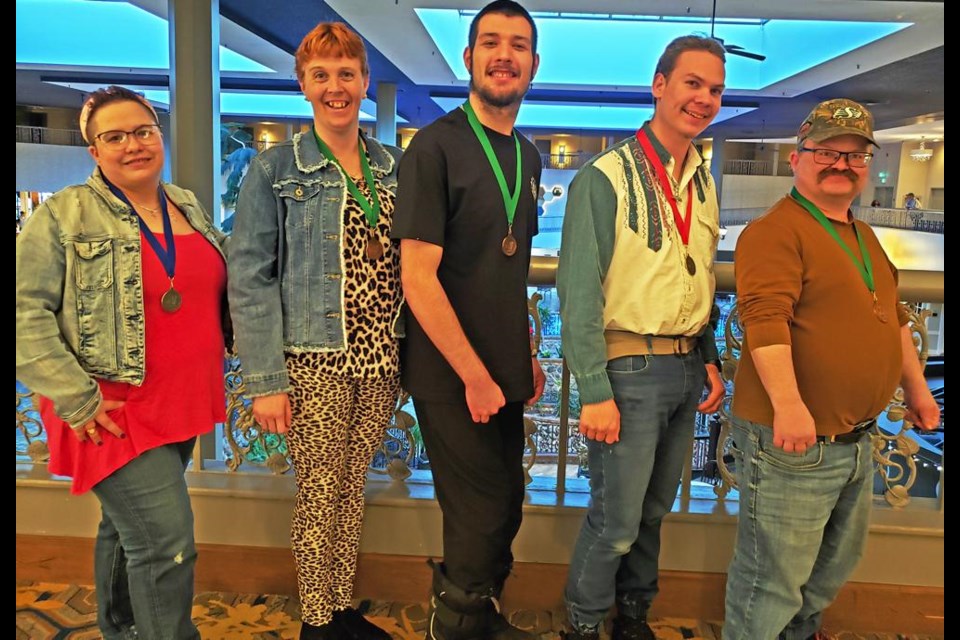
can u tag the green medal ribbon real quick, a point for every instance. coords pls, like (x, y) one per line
(864, 265)
(371, 210)
(510, 200)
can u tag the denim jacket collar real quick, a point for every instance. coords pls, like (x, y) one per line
(309, 159)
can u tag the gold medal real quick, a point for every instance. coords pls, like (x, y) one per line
(374, 249)
(691, 265)
(171, 300)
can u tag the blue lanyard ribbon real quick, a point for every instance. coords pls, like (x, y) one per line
(168, 256)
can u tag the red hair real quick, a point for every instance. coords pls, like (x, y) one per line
(334, 39)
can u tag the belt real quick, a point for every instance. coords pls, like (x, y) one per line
(665, 345)
(850, 437)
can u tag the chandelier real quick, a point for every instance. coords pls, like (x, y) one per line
(921, 153)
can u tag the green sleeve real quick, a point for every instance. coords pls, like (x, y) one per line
(586, 249)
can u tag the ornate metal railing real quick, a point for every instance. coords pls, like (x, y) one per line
(553, 441)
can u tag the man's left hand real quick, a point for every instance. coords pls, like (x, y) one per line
(922, 410)
(716, 390)
(539, 381)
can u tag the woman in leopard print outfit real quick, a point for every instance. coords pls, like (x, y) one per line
(315, 296)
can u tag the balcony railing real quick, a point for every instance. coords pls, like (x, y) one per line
(555, 449)
(43, 135)
(563, 160)
(735, 167)
(911, 220)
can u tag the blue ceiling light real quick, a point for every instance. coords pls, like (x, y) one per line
(615, 59)
(101, 34)
(602, 117)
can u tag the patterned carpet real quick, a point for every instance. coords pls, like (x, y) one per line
(48, 611)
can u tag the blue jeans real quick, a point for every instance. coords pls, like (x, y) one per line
(802, 529)
(145, 554)
(633, 484)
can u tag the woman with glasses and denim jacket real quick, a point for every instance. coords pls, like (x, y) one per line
(315, 296)
(120, 293)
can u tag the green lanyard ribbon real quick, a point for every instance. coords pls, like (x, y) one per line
(371, 210)
(510, 200)
(864, 265)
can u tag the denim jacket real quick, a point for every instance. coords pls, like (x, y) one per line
(80, 294)
(286, 267)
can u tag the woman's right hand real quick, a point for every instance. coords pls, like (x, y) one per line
(272, 412)
(101, 420)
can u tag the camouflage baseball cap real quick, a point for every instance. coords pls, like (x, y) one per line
(837, 117)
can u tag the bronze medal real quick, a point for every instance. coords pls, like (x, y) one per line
(878, 310)
(374, 249)
(171, 300)
(691, 265)
(509, 245)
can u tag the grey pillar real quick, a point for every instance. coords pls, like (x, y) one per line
(716, 166)
(195, 121)
(387, 112)
(195, 99)
(290, 130)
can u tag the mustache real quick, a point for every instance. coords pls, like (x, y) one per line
(846, 173)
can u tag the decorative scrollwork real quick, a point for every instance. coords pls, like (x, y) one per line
(401, 444)
(894, 453)
(30, 427)
(733, 342)
(533, 309)
(247, 441)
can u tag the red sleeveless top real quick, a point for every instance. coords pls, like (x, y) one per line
(182, 394)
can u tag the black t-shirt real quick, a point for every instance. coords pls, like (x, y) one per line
(448, 195)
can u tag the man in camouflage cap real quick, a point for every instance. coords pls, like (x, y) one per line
(825, 346)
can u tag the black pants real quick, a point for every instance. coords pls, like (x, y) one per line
(478, 477)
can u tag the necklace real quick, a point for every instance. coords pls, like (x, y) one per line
(143, 206)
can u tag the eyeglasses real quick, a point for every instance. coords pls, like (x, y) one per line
(856, 159)
(147, 134)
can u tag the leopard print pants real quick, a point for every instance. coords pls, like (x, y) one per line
(338, 423)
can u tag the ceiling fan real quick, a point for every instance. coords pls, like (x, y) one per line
(732, 49)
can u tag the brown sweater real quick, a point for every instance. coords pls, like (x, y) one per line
(797, 286)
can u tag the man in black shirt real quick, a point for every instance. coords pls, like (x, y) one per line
(466, 213)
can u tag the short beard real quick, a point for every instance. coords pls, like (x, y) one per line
(498, 101)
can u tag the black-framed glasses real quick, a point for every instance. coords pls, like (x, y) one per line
(146, 134)
(856, 159)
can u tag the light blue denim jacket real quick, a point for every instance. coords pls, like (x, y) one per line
(80, 294)
(285, 269)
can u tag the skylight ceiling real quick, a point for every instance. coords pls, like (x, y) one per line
(102, 34)
(624, 49)
(239, 103)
